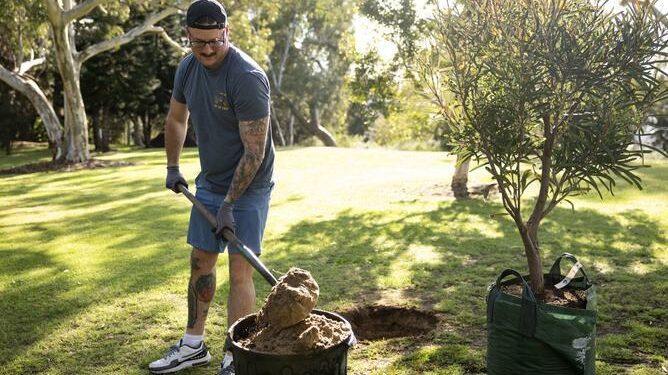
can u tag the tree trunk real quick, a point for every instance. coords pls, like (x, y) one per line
(291, 130)
(460, 178)
(97, 130)
(76, 127)
(319, 131)
(8, 147)
(34, 93)
(277, 127)
(529, 234)
(104, 131)
(147, 129)
(138, 132)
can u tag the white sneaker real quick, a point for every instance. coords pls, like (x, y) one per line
(181, 356)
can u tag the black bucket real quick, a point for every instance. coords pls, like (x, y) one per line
(331, 361)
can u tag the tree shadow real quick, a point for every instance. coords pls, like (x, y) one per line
(455, 251)
(441, 259)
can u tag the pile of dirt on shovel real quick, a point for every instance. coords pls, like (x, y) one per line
(285, 324)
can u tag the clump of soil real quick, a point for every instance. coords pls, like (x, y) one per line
(572, 298)
(51, 166)
(286, 325)
(290, 301)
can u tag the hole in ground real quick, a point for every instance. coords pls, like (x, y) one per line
(382, 322)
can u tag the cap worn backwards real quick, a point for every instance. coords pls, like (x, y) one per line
(206, 14)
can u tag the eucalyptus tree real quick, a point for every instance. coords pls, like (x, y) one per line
(51, 25)
(548, 92)
(312, 52)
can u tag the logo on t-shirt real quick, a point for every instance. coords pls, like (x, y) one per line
(221, 102)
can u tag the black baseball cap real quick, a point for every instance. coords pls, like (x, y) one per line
(199, 10)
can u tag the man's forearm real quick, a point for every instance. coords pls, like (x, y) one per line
(254, 137)
(243, 175)
(175, 135)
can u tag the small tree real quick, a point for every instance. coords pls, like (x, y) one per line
(547, 92)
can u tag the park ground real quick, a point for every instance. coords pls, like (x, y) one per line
(93, 263)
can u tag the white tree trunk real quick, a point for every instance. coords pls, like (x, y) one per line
(138, 132)
(460, 178)
(31, 90)
(76, 123)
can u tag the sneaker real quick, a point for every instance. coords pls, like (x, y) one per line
(227, 366)
(181, 356)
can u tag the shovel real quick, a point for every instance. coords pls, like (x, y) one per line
(231, 238)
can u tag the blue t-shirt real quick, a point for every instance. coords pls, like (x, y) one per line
(238, 90)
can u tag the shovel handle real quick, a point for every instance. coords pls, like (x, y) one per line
(230, 237)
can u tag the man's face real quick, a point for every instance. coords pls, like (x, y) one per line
(208, 46)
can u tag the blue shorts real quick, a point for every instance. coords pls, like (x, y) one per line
(250, 217)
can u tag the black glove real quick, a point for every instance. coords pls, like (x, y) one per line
(225, 218)
(174, 178)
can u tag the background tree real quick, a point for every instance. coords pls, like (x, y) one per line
(23, 44)
(548, 92)
(312, 48)
(135, 102)
(410, 34)
(373, 93)
(62, 17)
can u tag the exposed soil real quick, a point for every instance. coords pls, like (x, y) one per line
(285, 324)
(290, 301)
(572, 298)
(381, 322)
(315, 333)
(50, 166)
(486, 191)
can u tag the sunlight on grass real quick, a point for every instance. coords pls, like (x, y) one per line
(94, 263)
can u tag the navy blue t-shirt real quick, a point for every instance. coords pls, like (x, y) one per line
(238, 90)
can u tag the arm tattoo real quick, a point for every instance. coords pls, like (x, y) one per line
(254, 137)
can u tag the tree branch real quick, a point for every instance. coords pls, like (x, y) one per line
(26, 66)
(80, 10)
(34, 93)
(146, 26)
(163, 34)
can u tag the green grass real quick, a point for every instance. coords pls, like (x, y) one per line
(93, 264)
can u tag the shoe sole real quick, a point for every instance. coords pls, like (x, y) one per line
(187, 364)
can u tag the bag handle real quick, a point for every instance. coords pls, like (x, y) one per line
(555, 271)
(527, 324)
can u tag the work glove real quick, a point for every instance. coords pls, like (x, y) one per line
(174, 178)
(225, 218)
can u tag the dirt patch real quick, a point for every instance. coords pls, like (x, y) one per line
(443, 191)
(285, 324)
(377, 322)
(50, 166)
(576, 299)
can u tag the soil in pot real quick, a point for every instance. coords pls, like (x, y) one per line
(285, 324)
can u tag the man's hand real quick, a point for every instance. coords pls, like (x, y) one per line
(174, 178)
(225, 218)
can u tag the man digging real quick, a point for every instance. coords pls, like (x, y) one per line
(226, 94)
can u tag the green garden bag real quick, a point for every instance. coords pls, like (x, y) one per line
(529, 337)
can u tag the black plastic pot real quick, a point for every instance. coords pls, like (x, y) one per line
(332, 361)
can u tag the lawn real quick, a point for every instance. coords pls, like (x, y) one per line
(93, 263)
